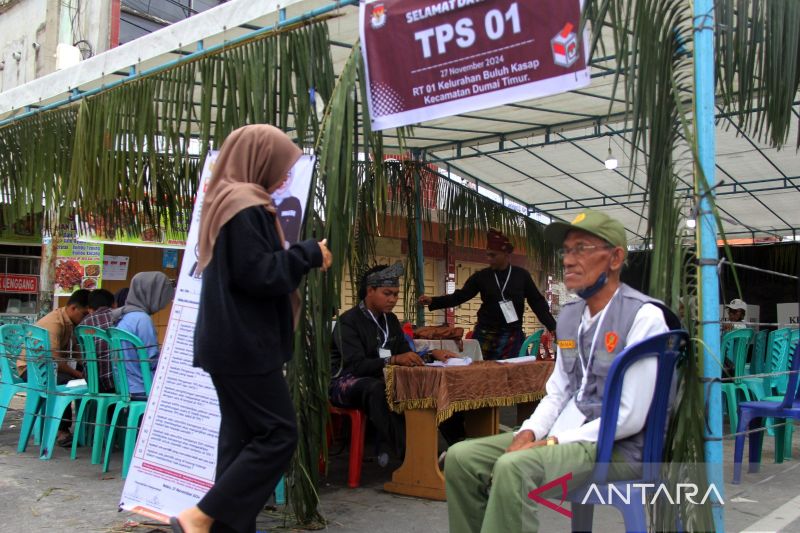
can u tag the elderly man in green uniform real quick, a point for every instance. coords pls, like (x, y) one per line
(561, 435)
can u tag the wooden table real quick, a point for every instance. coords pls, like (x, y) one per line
(429, 395)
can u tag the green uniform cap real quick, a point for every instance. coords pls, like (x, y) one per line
(593, 222)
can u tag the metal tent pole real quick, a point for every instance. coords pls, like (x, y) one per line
(707, 244)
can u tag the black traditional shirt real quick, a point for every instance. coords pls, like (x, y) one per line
(488, 283)
(357, 339)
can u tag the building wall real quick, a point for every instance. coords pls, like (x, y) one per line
(30, 31)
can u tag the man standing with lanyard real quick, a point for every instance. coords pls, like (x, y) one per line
(504, 289)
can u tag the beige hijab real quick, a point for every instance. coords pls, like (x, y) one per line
(252, 159)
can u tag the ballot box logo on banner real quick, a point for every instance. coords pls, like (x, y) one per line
(565, 46)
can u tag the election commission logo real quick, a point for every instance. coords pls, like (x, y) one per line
(378, 17)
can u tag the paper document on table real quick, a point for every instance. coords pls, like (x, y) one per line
(453, 361)
(524, 359)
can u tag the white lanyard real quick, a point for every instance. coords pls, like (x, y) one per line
(503, 288)
(585, 367)
(384, 331)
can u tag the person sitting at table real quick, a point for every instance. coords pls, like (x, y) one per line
(504, 289)
(560, 437)
(368, 337)
(101, 316)
(150, 292)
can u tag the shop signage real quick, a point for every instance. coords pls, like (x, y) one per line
(19, 283)
(429, 59)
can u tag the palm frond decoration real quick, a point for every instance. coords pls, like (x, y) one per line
(758, 64)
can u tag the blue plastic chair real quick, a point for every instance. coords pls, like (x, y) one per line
(135, 408)
(11, 343)
(751, 415)
(667, 347)
(531, 344)
(44, 399)
(103, 401)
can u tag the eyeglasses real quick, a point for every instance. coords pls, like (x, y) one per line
(580, 250)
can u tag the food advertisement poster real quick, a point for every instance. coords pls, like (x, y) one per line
(465, 55)
(79, 265)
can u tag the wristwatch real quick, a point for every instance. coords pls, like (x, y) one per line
(551, 441)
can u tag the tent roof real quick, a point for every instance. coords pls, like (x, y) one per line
(544, 157)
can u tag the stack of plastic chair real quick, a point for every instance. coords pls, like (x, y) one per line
(11, 344)
(667, 348)
(531, 345)
(776, 361)
(759, 352)
(783, 438)
(103, 401)
(734, 349)
(134, 408)
(752, 414)
(44, 399)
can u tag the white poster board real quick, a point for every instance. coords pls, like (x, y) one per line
(788, 315)
(174, 462)
(115, 267)
(175, 458)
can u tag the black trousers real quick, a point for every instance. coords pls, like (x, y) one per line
(369, 393)
(257, 437)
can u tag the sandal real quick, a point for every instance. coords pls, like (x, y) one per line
(65, 441)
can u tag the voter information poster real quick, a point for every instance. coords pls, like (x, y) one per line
(428, 59)
(175, 458)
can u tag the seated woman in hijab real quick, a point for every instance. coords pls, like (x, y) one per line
(150, 292)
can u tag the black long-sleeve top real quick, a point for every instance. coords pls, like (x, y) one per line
(520, 287)
(244, 324)
(357, 338)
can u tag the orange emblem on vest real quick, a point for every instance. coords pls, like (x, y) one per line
(567, 344)
(611, 341)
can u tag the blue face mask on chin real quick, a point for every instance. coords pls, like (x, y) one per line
(594, 288)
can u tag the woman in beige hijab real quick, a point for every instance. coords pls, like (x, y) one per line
(245, 325)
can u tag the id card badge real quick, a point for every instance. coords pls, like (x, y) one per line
(509, 313)
(384, 353)
(570, 418)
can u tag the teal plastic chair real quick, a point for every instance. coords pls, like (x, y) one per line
(734, 349)
(45, 399)
(531, 344)
(759, 352)
(102, 401)
(11, 343)
(135, 408)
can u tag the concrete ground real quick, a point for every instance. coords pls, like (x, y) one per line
(61, 495)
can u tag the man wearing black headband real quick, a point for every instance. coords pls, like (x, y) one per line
(366, 339)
